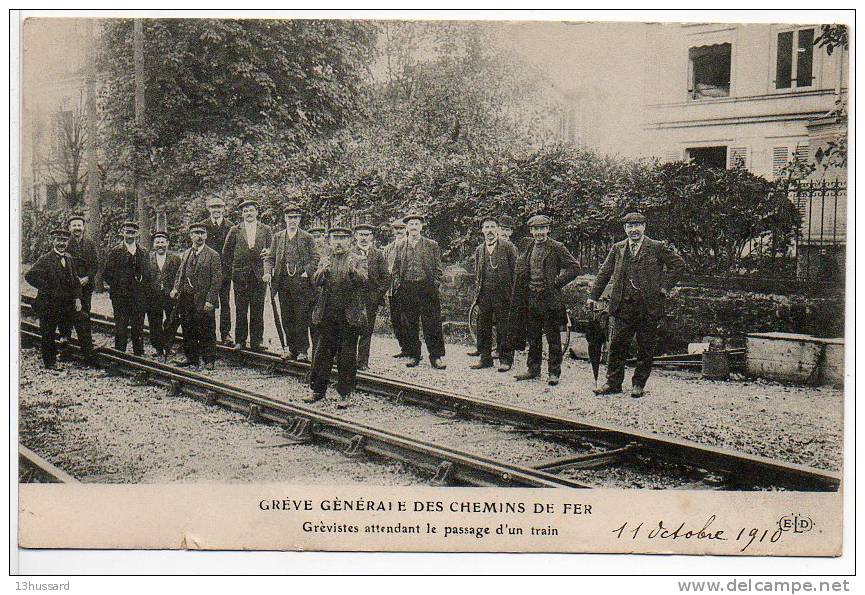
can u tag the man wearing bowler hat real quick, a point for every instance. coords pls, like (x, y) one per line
(340, 315)
(495, 265)
(397, 319)
(243, 256)
(83, 253)
(291, 261)
(196, 289)
(163, 271)
(379, 280)
(218, 226)
(127, 273)
(58, 300)
(642, 272)
(417, 273)
(543, 268)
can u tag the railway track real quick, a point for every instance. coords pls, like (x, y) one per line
(723, 468)
(304, 424)
(35, 469)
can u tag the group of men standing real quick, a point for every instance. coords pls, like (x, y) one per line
(330, 284)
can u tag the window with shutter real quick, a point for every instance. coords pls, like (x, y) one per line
(738, 157)
(780, 156)
(671, 156)
(802, 151)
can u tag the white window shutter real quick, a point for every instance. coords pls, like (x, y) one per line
(780, 157)
(671, 156)
(738, 156)
(802, 150)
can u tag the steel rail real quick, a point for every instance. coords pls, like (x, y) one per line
(740, 468)
(305, 423)
(27, 457)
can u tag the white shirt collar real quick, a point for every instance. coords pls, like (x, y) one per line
(131, 250)
(635, 247)
(491, 247)
(217, 222)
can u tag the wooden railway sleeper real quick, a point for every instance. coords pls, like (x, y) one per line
(443, 473)
(355, 447)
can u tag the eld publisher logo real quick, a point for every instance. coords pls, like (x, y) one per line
(795, 523)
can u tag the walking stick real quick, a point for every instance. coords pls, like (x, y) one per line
(276, 317)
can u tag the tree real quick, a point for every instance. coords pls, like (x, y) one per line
(67, 168)
(226, 94)
(834, 154)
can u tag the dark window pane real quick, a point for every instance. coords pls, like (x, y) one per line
(710, 69)
(806, 58)
(709, 156)
(784, 64)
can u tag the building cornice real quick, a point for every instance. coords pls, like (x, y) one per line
(732, 121)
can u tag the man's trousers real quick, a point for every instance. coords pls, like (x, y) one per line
(157, 317)
(249, 293)
(421, 306)
(336, 340)
(493, 313)
(53, 318)
(128, 324)
(543, 321)
(295, 308)
(634, 320)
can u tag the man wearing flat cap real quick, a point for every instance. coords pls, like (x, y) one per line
(495, 265)
(243, 256)
(641, 271)
(378, 283)
(397, 319)
(127, 273)
(543, 268)
(289, 266)
(163, 271)
(196, 289)
(417, 273)
(319, 237)
(83, 252)
(218, 226)
(58, 298)
(339, 314)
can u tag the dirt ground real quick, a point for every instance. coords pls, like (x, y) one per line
(110, 430)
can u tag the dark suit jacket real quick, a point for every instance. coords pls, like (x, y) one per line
(206, 278)
(86, 260)
(379, 277)
(307, 257)
(505, 257)
(560, 268)
(216, 234)
(431, 260)
(129, 286)
(163, 281)
(656, 266)
(355, 305)
(238, 258)
(57, 287)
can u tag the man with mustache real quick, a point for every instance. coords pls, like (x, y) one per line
(243, 256)
(218, 226)
(642, 271)
(163, 270)
(58, 300)
(379, 280)
(495, 264)
(127, 272)
(289, 266)
(83, 252)
(196, 289)
(417, 272)
(543, 268)
(339, 314)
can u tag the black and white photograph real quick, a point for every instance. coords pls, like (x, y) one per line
(379, 256)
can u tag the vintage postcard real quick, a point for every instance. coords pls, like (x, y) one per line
(434, 285)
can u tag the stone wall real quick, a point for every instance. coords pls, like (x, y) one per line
(695, 312)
